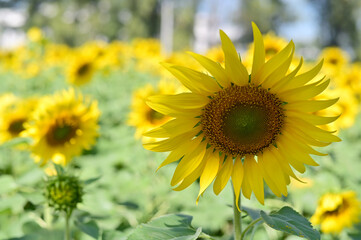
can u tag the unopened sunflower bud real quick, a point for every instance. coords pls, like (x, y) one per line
(63, 192)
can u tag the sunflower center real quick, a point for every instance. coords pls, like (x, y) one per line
(242, 120)
(271, 51)
(16, 126)
(83, 69)
(60, 133)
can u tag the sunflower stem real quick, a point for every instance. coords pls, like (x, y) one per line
(67, 227)
(249, 227)
(237, 223)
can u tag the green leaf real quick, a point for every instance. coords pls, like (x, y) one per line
(16, 141)
(253, 213)
(91, 180)
(90, 228)
(113, 235)
(59, 169)
(7, 184)
(168, 227)
(289, 221)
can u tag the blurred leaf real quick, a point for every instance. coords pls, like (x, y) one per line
(7, 184)
(16, 141)
(91, 180)
(168, 227)
(35, 197)
(253, 213)
(289, 221)
(113, 235)
(90, 228)
(59, 169)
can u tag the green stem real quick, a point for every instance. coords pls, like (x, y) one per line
(48, 217)
(237, 218)
(67, 228)
(249, 227)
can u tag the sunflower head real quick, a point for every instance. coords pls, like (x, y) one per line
(81, 69)
(334, 60)
(62, 126)
(14, 114)
(142, 116)
(337, 211)
(254, 128)
(63, 192)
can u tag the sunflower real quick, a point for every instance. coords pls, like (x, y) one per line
(144, 118)
(14, 115)
(81, 69)
(62, 126)
(216, 54)
(250, 128)
(334, 60)
(346, 108)
(336, 211)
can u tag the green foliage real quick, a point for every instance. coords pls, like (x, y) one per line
(289, 221)
(168, 227)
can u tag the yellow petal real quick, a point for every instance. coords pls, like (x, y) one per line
(274, 170)
(282, 85)
(305, 92)
(210, 171)
(173, 127)
(275, 62)
(310, 105)
(294, 131)
(237, 179)
(178, 153)
(223, 176)
(191, 178)
(255, 178)
(170, 143)
(304, 78)
(173, 112)
(312, 118)
(204, 84)
(258, 52)
(181, 100)
(278, 72)
(272, 184)
(235, 70)
(213, 68)
(188, 164)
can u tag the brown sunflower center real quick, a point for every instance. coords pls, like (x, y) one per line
(83, 69)
(17, 126)
(242, 120)
(271, 51)
(338, 209)
(61, 132)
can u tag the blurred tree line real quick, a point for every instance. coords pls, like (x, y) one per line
(128, 19)
(105, 19)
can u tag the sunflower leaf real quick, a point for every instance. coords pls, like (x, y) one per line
(90, 228)
(168, 227)
(289, 221)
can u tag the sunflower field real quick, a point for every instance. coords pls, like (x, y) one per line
(117, 140)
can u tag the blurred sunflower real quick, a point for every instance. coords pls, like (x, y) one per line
(350, 79)
(272, 45)
(144, 118)
(251, 128)
(216, 54)
(14, 115)
(62, 126)
(81, 69)
(334, 60)
(337, 211)
(346, 108)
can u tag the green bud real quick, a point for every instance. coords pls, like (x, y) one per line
(63, 192)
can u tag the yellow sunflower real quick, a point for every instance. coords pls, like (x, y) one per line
(250, 128)
(144, 118)
(334, 60)
(346, 108)
(13, 117)
(81, 69)
(62, 126)
(216, 54)
(337, 211)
